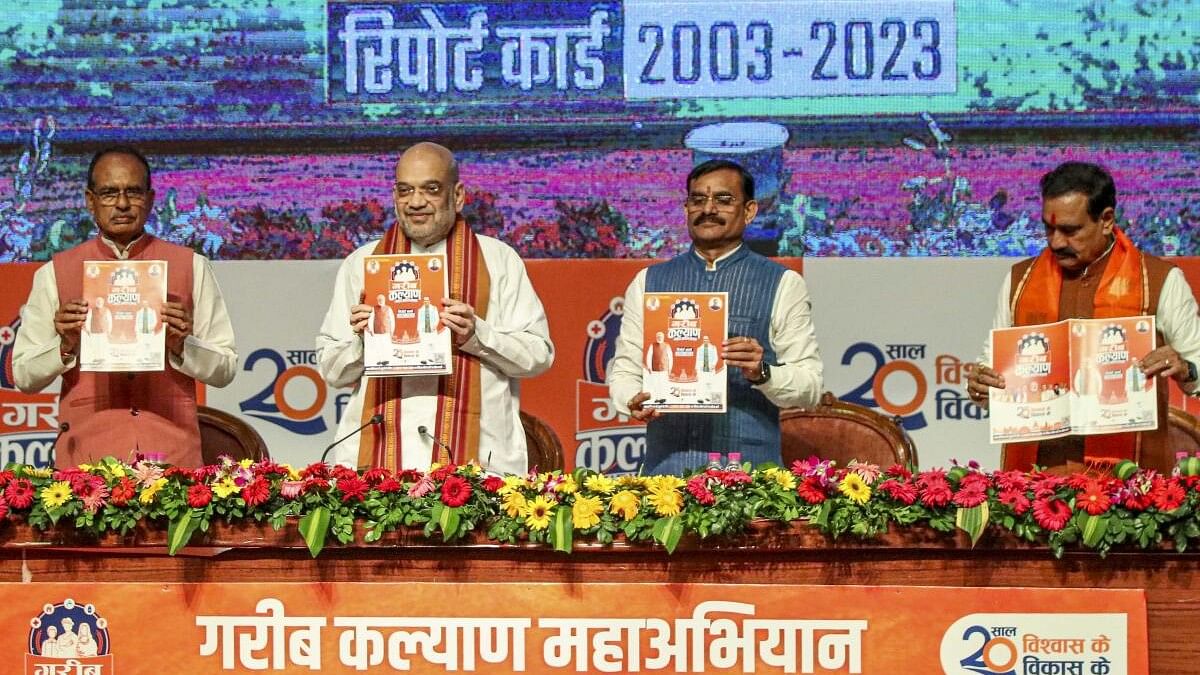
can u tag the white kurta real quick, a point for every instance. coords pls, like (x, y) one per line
(1177, 319)
(208, 355)
(513, 342)
(796, 378)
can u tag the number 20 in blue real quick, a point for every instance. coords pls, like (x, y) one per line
(858, 49)
(724, 52)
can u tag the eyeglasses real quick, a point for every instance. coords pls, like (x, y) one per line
(405, 192)
(110, 196)
(722, 202)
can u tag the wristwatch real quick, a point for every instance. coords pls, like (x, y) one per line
(1192, 375)
(764, 374)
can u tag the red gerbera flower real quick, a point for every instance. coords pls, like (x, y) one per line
(1011, 481)
(811, 491)
(903, 492)
(972, 496)
(455, 491)
(493, 484)
(389, 485)
(122, 492)
(199, 495)
(5, 476)
(1093, 499)
(1015, 500)
(936, 493)
(697, 486)
(1169, 497)
(352, 488)
(311, 484)
(899, 471)
(268, 468)
(1051, 514)
(19, 493)
(442, 472)
(256, 491)
(341, 473)
(377, 475)
(317, 470)
(974, 482)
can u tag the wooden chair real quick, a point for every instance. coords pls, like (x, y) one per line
(225, 434)
(1183, 435)
(844, 431)
(545, 450)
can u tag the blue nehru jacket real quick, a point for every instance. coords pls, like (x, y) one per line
(677, 442)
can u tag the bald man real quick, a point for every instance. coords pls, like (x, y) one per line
(497, 320)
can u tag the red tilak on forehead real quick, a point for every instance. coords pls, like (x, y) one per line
(1053, 218)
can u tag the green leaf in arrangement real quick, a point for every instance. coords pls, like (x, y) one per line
(973, 520)
(562, 530)
(314, 526)
(667, 532)
(180, 531)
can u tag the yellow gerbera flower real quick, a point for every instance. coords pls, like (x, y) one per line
(39, 473)
(568, 486)
(585, 512)
(151, 491)
(56, 494)
(855, 488)
(246, 463)
(512, 483)
(600, 483)
(538, 515)
(514, 504)
(664, 483)
(293, 472)
(666, 502)
(626, 503)
(630, 481)
(225, 488)
(785, 479)
(85, 467)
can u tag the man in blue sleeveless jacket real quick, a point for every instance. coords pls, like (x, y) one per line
(771, 352)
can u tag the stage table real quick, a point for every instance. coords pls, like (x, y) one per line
(768, 554)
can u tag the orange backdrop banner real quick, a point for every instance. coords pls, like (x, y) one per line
(102, 629)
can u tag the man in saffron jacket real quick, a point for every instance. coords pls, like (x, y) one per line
(772, 352)
(1091, 269)
(102, 414)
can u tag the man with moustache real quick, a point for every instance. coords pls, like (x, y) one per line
(103, 414)
(772, 352)
(1091, 269)
(499, 330)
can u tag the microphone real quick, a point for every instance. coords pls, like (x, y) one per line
(63, 427)
(376, 419)
(424, 431)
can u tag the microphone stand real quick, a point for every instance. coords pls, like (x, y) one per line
(424, 431)
(376, 419)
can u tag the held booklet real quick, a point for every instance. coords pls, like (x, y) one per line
(405, 335)
(681, 365)
(123, 331)
(1078, 376)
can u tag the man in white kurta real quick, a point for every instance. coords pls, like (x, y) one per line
(512, 342)
(208, 355)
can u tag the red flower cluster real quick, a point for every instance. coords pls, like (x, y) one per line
(376, 475)
(256, 491)
(1051, 514)
(268, 469)
(493, 484)
(352, 488)
(5, 476)
(900, 490)
(933, 488)
(318, 470)
(455, 491)
(389, 485)
(697, 486)
(19, 493)
(122, 492)
(810, 490)
(443, 472)
(199, 496)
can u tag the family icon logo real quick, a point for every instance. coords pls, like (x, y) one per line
(69, 637)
